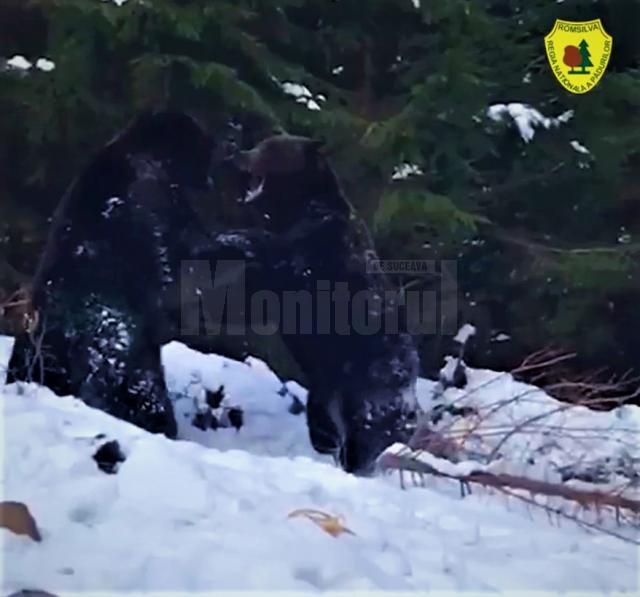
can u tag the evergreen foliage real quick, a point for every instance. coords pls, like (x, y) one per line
(546, 231)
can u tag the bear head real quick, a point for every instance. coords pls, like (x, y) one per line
(172, 141)
(288, 175)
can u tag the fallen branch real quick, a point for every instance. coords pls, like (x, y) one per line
(465, 474)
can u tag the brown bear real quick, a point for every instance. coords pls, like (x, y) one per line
(114, 247)
(361, 367)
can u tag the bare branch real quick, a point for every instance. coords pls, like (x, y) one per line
(510, 484)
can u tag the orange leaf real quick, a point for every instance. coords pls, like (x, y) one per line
(328, 523)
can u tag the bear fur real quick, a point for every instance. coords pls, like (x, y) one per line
(361, 386)
(107, 296)
(114, 247)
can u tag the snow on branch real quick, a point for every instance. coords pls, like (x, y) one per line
(21, 64)
(405, 170)
(577, 146)
(303, 95)
(526, 118)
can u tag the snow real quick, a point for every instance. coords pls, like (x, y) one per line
(5, 354)
(526, 118)
(556, 438)
(313, 104)
(19, 62)
(45, 65)
(303, 95)
(448, 372)
(253, 193)
(441, 465)
(212, 513)
(464, 333)
(579, 147)
(296, 89)
(404, 171)
(250, 385)
(111, 205)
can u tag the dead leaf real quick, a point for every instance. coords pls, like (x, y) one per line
(16, 517)
(328, 523)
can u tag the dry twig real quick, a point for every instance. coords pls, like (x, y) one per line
(512, 484)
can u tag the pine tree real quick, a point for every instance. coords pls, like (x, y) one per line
(546, 237)
(586, 56)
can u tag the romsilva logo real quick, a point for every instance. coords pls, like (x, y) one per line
(578, 53)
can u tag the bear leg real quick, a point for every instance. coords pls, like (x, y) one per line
(116, 367)
(145, 394)
(323, 424)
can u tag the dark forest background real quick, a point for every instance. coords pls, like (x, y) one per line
(546, 238)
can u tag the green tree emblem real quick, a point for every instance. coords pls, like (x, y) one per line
(586, 57)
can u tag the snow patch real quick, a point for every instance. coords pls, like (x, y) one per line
(501, 337)
(45, 65)
(6, 346)
(303, 95)
(451, 365)
(19, 63)
(253, 193)
(554, 437)
(405, 170)
(464, 333)
(440, 465)
(579, 147)
(296, 89)
(312, 104)
(111, 205)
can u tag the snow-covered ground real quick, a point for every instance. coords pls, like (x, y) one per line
(212, 514)
(517, 428)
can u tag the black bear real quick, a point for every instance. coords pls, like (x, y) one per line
(113, 250)
(361, 381)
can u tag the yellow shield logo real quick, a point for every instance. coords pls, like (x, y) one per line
(578, 53)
